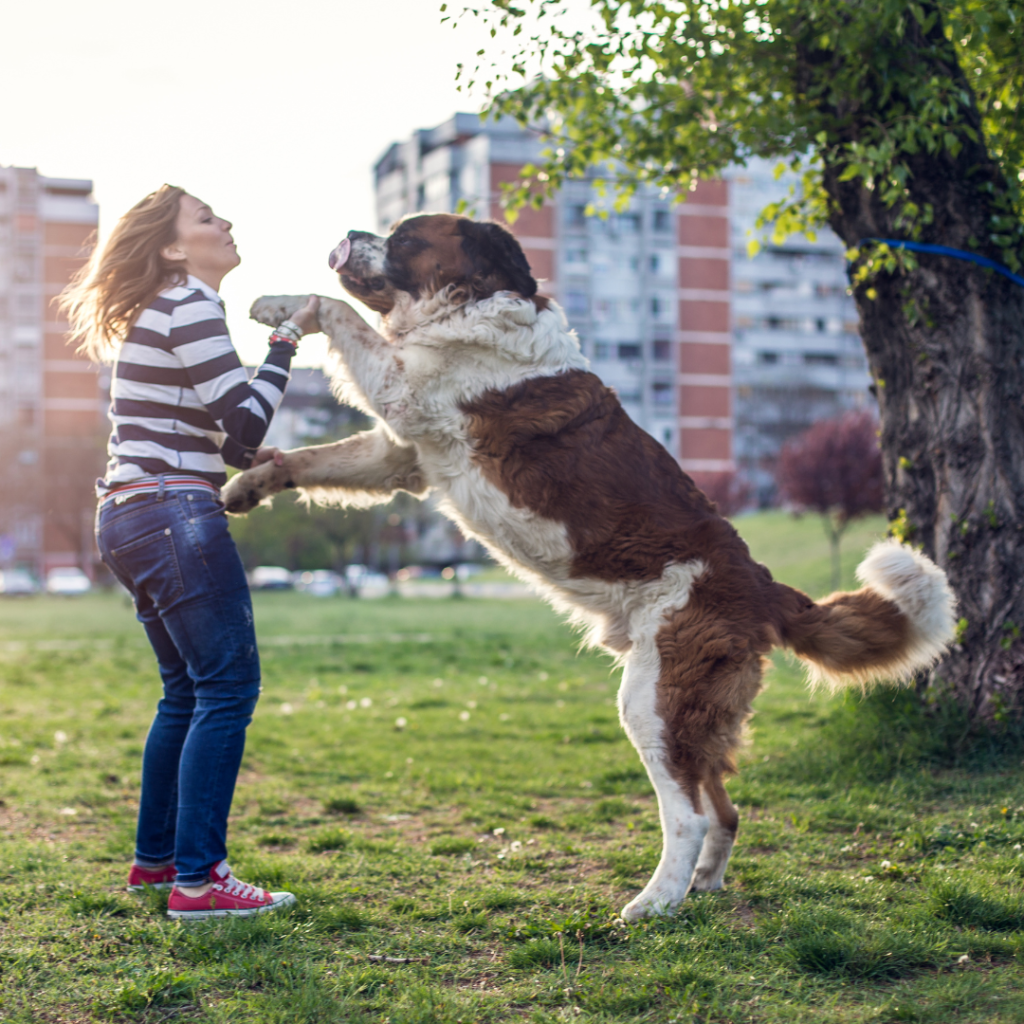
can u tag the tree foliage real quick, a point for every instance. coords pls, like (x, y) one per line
(664, 92)
(835, 469)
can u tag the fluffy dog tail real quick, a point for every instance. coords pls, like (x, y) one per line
(900, 622)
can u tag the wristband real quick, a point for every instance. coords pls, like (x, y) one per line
(291, 325)
(282, 337)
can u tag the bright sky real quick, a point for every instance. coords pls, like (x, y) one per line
(272, 112)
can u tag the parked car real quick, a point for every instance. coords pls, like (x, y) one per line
(270, 577)
(67, 581)
(319, 583)
(17, 583)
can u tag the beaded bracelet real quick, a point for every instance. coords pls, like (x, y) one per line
(277, 336)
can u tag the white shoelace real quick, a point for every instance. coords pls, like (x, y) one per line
(236, 887)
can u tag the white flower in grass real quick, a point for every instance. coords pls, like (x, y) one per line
(287, 709)
(366, 702)
(438, 683)
(351, 704)
(35, 759)
(470, 703)
(68, 811)
(965, 959)
(400, 723)
(515, 846)
(1017, 846)
(60, 736)
(504, 718)
(499, 832)
(542, 676)
(885, 865)
(482, 680)
(463, 716)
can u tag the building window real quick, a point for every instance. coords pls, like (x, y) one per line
(630, 350)
(821, 359)
(655, 263)
(768, 358)
(662, 351)
(575, 216)
(662, 393)
(576, 303)
(662, 220)
(576, 257)
(656, 307)
(601, 349)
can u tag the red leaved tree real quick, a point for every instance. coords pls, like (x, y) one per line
(834, 469)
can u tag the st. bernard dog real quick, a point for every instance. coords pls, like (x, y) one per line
(481, 394)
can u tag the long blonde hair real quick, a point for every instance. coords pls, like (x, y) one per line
(124, 276)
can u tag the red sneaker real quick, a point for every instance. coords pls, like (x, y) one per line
(228, 897)
(139, 879)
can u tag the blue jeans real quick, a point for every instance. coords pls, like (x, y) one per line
(174, 554)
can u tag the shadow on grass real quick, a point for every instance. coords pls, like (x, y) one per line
(891, 731)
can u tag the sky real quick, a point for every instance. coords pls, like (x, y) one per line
(273, 113)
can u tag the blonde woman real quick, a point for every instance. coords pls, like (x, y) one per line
(182, 406)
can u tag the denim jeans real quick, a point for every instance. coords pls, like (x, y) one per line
(174, 554)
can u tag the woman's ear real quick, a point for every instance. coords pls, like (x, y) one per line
(173, 253)
(498, 260)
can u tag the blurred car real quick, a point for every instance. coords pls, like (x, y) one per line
(319, 583)
(67, 581)
(270, 577)
(17, 583)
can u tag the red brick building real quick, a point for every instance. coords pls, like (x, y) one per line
(52, 411)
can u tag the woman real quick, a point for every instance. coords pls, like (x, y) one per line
(182, 407)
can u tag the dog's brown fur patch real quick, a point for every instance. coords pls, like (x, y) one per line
(563, 447)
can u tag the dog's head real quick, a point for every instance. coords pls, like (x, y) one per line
(427, 253)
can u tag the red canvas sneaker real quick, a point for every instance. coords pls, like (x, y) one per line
(227, 897)
(154, 878)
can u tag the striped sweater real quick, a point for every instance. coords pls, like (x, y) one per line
(181, 400)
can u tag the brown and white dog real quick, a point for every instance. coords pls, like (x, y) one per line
(481, 394)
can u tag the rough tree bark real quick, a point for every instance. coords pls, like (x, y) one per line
(945, 344)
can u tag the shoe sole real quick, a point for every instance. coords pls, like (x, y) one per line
(150, 885)
(202, 915)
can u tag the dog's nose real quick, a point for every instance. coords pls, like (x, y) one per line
(339, 255)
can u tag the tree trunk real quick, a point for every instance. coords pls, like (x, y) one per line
(945, 345)
(834, 536)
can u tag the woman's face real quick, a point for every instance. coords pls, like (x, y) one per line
(204, 246)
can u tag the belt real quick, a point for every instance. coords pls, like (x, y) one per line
(156, 485)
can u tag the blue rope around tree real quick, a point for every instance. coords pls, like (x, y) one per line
(945, 250)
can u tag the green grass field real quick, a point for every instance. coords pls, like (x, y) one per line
(445, 783)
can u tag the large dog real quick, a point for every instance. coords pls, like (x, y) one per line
(482, 395)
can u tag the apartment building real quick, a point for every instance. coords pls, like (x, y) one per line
(627, 281)
(718, 356)
(52, 425)
(797, 356)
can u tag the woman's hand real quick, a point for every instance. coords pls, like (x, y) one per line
(305, 319)
(266, 455)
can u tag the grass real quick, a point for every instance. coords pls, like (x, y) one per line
(490, 837)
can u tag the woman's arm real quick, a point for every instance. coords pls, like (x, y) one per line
(240, 407)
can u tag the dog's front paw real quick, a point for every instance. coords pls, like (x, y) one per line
(273, 310)
(243, 492)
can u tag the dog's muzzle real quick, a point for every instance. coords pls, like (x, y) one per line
(340, 254)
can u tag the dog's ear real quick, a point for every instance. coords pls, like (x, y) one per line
(497, 258)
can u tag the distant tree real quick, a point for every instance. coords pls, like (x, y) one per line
(834, 469)
(731, 492)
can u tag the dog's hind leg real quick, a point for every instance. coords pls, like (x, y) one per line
(714, 854)
(683, 825)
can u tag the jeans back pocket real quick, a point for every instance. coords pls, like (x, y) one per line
(151, 562)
